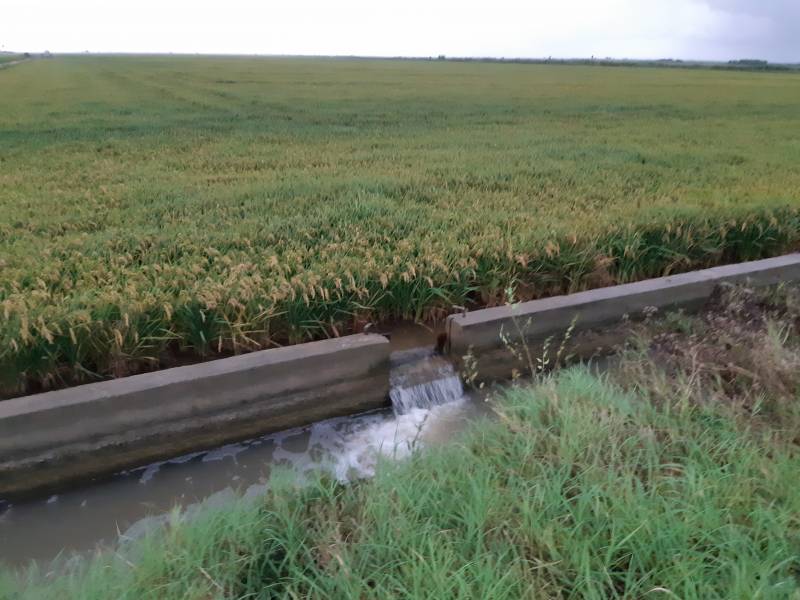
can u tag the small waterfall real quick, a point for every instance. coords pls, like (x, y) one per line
(422, 379)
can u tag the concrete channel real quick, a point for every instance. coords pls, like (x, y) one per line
(595, 319)
(56, 438)
(51, 440)
(429, 406)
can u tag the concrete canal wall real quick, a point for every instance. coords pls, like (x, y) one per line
(597, 314)
(51, 439)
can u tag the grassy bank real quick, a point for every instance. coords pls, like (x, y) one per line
(155, 210)
(672, 476)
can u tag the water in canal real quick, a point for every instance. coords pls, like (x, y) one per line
(428, 406)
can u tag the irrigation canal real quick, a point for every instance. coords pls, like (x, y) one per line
(429, 406)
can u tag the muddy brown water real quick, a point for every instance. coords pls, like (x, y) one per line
(429, 407)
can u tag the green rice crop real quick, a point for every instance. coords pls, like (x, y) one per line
(155, 210)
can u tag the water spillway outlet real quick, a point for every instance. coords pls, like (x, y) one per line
(422, 378)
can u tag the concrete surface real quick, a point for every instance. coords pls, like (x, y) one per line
(535, 321)
(50, 439)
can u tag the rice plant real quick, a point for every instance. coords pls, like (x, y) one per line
(158, 210)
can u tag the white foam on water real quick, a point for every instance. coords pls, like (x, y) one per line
(349, 449)
(425, 391)
(394, 438)
(153, 469)
(228, 451)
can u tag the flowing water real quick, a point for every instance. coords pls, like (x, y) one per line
(421, 379)
(428, 406)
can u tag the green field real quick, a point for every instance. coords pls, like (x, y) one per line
(160, 209)
(4, 58)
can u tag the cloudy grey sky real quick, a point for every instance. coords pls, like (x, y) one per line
(702, 29)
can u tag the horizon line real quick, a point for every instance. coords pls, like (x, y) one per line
(441, 57)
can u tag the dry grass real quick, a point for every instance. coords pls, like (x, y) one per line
(742, 352)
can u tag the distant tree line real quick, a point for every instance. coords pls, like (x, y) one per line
(746, 64)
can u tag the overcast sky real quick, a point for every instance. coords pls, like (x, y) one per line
(701, 29)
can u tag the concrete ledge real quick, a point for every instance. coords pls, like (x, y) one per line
(535, 321)
(51, 439)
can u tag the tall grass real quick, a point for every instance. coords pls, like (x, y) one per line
(154, 210)
(579, 490)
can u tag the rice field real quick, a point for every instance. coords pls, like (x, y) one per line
(162, 209)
